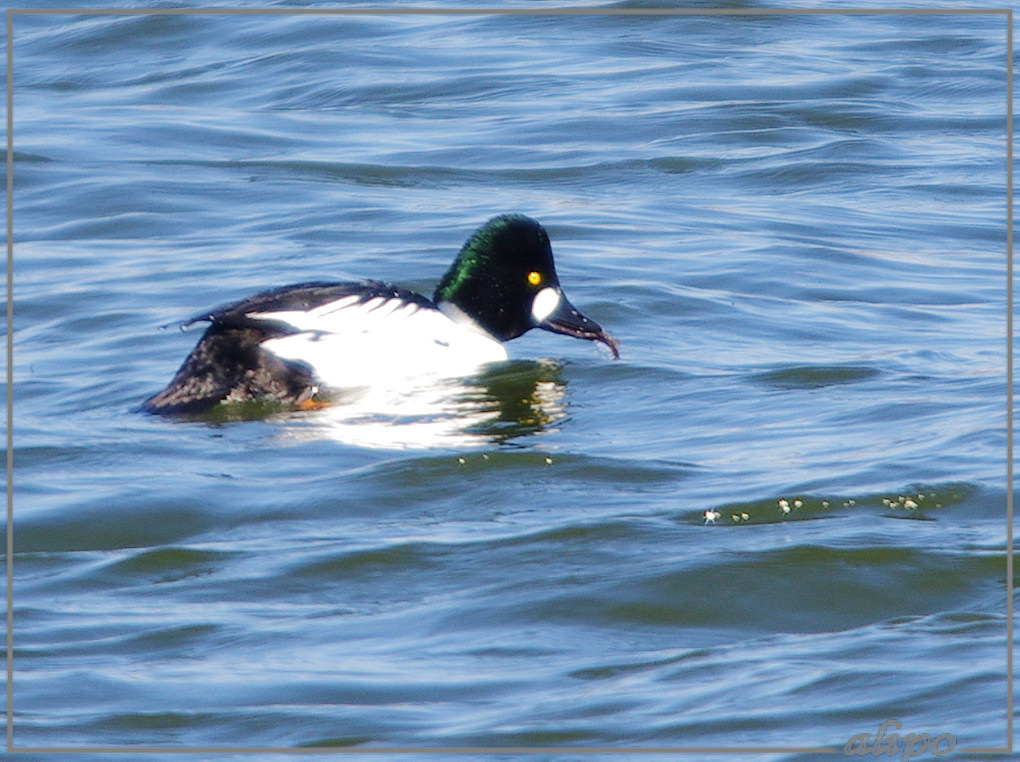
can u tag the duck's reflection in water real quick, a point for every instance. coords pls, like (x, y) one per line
(505, 401)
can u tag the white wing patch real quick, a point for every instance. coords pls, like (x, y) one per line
(383, 340)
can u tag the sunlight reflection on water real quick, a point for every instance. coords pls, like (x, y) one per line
(525, 398)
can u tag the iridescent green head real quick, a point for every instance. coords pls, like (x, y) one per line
(504, 280)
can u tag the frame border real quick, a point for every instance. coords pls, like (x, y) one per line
(1007, 13)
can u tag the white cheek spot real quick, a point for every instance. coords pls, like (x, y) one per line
(545, 303)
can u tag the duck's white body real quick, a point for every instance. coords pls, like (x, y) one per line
(350, 343)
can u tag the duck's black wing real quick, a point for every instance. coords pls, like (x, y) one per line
(229, 365)
(302, 297)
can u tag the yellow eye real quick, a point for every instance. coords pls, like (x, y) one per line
(534, 278)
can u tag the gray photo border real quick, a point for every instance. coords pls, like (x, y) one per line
(1006, 13)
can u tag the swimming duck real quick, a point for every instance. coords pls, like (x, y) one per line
(296, 343)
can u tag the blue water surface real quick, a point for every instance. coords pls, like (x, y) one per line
(778, 521)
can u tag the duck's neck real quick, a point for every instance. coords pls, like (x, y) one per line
(458, 316)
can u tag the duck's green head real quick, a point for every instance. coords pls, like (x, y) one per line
(505, 281)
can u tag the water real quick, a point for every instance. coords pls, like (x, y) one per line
(777, 522)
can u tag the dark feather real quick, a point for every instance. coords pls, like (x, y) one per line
(229, 365)
(304, 297)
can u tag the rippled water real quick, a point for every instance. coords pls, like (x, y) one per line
(777, 522)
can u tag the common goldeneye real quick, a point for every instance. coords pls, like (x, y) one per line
(296, 343)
